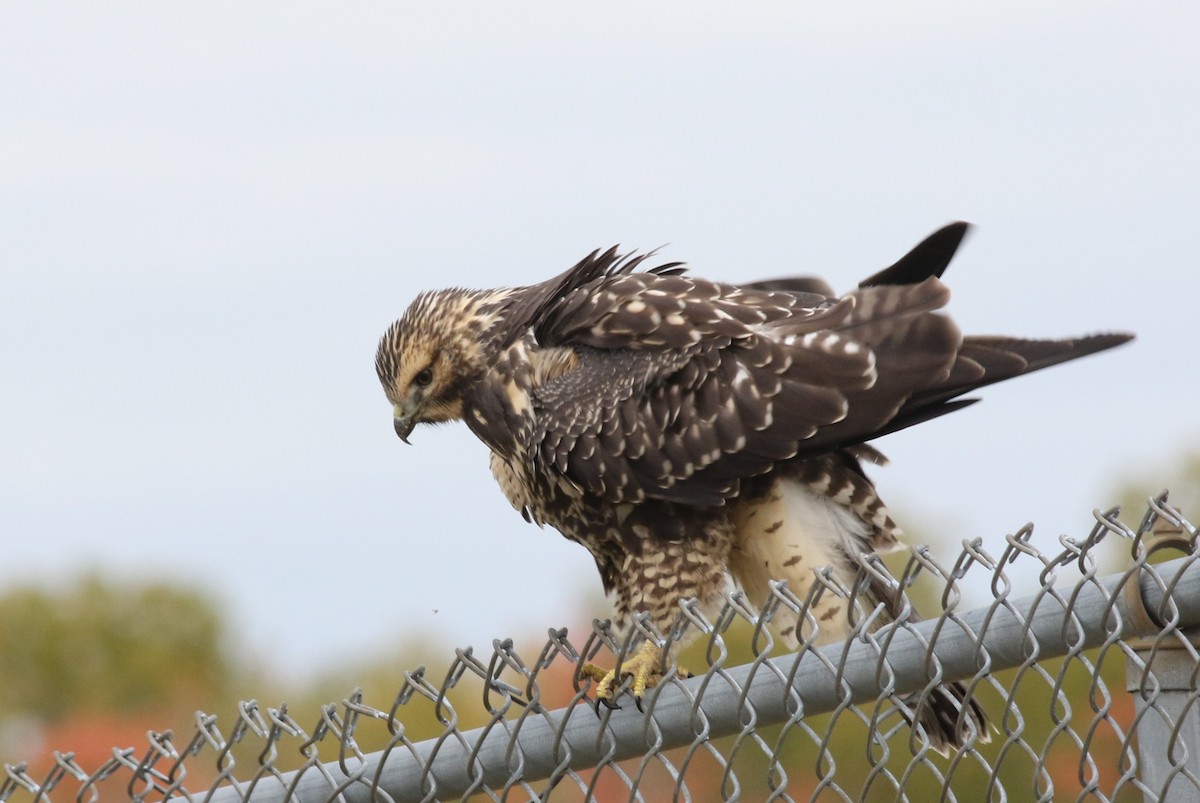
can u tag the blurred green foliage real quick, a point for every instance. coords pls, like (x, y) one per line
(104, 646)
(1180, 476)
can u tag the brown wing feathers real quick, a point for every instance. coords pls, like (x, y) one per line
(914, 350)
(930, 257)
(710, 384)
(915, 362)
(684, 387)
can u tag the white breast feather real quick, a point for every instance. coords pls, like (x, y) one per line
(787, 534)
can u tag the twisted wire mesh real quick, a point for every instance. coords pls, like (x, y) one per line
(758, 723)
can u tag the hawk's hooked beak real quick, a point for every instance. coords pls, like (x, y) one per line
(403, 422)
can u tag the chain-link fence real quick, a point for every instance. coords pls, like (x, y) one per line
(1090, 684)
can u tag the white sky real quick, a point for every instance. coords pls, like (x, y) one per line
(209, 213)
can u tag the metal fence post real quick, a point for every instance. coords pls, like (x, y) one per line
(1163, 681)
(1161, 673)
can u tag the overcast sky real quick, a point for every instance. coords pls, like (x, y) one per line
(210, 212)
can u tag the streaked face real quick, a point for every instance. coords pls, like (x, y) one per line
(428, 358)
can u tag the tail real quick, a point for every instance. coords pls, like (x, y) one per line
(948, 718)
(982, 359)
(985, 360)
(945, 713)
(907, 343)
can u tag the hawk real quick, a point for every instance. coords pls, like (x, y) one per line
(690, 433)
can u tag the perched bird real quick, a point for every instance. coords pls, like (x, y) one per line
(689, 432)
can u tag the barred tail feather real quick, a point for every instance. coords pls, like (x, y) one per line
(948, 717)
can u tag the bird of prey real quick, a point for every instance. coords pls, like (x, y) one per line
(691, 433)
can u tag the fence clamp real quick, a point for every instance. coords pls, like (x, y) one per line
(1165, 534)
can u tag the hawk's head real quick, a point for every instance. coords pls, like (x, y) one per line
(429, 359)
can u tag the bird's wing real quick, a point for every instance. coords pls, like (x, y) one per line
(683, 388)
(980, 361)
(930, 257)
(984, 360)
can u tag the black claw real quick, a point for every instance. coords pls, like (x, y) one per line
(607, 703)
(638, 701)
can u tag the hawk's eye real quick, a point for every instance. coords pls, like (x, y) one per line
(424, 377)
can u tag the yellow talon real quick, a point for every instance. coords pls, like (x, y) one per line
(642, 666)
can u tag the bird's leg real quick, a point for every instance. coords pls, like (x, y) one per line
(642, 666)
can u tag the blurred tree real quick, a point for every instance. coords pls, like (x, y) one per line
(102, 646)
(1181, 476)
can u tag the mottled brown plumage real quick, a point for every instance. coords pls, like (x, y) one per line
(689, 432)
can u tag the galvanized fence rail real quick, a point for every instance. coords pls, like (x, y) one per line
(1090, 683)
